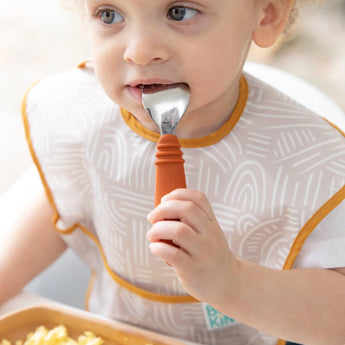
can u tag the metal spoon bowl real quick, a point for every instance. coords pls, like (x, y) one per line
(167, 106)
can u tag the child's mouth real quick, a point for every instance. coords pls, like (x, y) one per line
(137, 90)
(151, 88)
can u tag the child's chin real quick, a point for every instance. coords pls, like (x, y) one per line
(144, 118)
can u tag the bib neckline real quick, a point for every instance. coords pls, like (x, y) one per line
(207, 140)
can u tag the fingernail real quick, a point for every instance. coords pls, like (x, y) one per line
(149, 217)
(164, 198)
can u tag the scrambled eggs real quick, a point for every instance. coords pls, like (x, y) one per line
(56, 336)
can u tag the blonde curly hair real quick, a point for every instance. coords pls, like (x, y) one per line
(296, 8)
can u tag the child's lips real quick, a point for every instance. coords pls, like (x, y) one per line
(151, 88)
(136, 90)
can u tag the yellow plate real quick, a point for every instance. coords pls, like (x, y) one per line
(17, 325)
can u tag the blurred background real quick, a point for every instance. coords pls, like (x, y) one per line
(39, 37)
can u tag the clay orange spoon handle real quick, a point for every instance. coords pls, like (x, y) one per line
(170, 173)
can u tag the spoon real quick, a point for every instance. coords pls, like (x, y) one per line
(166, 106)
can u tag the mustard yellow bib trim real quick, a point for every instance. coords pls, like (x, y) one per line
(208, 140)
(89, 291)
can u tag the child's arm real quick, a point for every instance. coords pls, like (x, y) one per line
(28, 240)
(302, 305)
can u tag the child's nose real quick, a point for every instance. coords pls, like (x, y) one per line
(145, 46)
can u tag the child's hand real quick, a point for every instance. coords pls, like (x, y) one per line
(186, 234)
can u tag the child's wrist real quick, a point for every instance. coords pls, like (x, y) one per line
(231, 287)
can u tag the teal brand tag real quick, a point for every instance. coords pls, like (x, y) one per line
(215, 319)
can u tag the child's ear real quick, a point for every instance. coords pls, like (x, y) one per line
(274, 17)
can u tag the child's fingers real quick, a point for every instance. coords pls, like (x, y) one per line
(174, 233)
(172, 255)
(189, 206)
(186, 212)
(196, 197)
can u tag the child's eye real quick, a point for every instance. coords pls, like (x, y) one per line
(180, 13)
(109, 17)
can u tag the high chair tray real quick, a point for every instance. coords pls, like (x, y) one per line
(15, 326)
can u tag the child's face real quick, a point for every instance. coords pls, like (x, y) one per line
(203, 43)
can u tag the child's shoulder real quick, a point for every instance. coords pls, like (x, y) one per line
(77, 82)
(279, 90)
(68, 102)
(74, 92)
(265, 94)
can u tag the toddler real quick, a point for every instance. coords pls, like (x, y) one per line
(257, 252)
